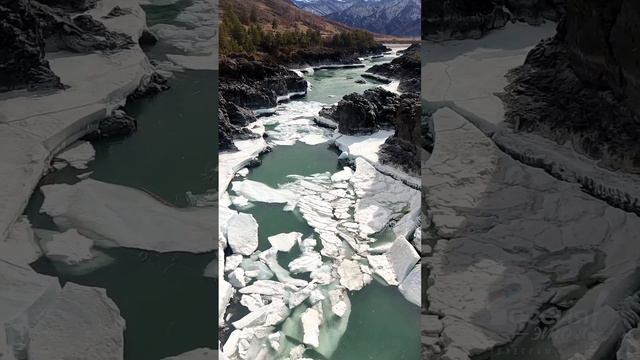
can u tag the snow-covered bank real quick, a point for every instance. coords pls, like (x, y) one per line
(467, 74)
(511, 238)
(33, 127)
(367, 147)
(470, 72)
(230, 162)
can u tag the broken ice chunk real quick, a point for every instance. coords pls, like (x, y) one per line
(381, 265)
(343, 175)
(256, 191)
(339, 302)
(69, 247)
(237, 278)
(264, 287)
(411, 286)
(311, 320)
(403, 256)
(308, 262)
(78, 155)
(242, 234)
(350, 274)
(226, 292)
(286, 241)
(267, 315)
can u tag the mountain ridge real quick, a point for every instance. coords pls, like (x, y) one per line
(389, 17)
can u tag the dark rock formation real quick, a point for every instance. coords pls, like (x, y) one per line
(245, 85)
(155, 84)
(118, 124)
(326, 56)
(583, 85)
(375, 109)
(365, 113)
(231, 122)
(116, 12)
(147, 39)
(22, 63)
(403, 147)
(81, 34)
(71, 5)
(406, 68)
(254, 84)
(461, 19)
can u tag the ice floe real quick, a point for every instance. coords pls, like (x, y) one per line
(78, 155)
(117, 215)
(81, 323)
(242, 234)
(311, 320)
(194, 32)
(69, 247)
(294, 121)
(347, 210)
(285, 241)
(256, 191)
(507, 236)
(20, 247)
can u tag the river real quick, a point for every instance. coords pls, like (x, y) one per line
(382, 325)
(168, 305)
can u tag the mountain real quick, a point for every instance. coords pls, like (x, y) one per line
(285, 14)
(390, 17)
(325, 7)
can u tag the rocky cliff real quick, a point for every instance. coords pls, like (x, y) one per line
(460, 19)
(582, 87)
(406, 68)
(32, 28)
(22, 63)
(377, 108)
(247, 85)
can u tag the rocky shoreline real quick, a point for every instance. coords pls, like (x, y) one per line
(247, 84)
(459, 19)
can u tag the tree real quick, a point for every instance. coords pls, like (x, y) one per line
(274, 24)
(253, 16)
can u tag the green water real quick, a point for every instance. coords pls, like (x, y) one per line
(330, 85)
(382, 325)
(169, 306)
(299, 159)
(174, 149)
